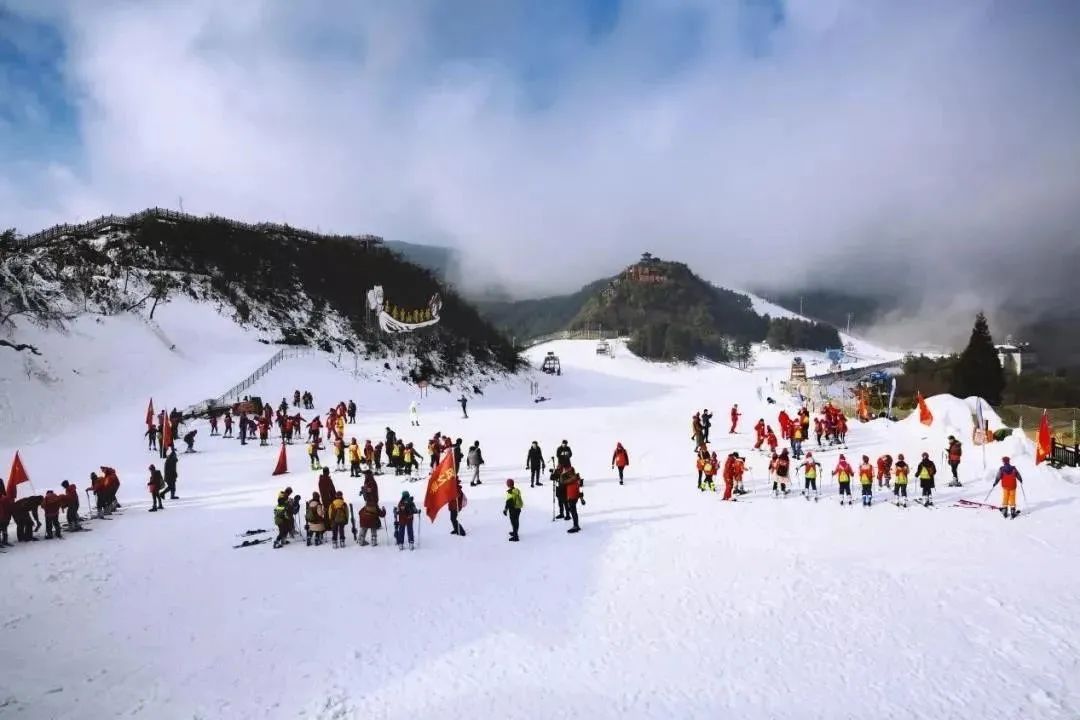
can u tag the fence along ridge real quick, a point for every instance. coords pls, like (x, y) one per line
(105, 221)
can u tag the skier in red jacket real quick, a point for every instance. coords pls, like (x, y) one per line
(735, 415)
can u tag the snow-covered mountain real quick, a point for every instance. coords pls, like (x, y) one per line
(164, 294)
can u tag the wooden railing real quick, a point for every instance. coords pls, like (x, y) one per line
(94, 227)
(570, 335)
(235, 393)
(1062, 455)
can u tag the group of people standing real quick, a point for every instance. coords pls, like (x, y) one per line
(27, 511)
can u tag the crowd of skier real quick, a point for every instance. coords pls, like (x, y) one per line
(829, 431)
(327, 509)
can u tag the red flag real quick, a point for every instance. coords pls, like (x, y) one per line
(150, 413)
(442, 486)
(925, 416)
(1043, 446)
(16, 476)
(166, 434)
(282, 466)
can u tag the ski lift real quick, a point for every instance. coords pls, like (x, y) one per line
(603, 348)
(551, 364)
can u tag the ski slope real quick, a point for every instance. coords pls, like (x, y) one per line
(668, 604)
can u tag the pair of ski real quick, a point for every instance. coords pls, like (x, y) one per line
(984, 506)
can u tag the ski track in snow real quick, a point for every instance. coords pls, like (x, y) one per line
(668, 604)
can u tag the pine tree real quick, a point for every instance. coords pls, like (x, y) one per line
(978, 369)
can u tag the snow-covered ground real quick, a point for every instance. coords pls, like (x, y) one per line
(668, 604)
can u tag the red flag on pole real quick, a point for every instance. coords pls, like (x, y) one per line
(925, 416)
(150, 413)
(166, 434)
(1043, 446)
(442, 486)
(16, 476)
(282, 466)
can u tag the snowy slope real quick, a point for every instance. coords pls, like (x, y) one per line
(669, 603)
(189, 351)
(867, 353)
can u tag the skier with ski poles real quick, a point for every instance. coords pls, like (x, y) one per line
(1009, 477)
(843, 472)
(782, 469)
(404, 514)
(810, 469)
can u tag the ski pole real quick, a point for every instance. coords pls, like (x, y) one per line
(1023, 495)
(989, 491)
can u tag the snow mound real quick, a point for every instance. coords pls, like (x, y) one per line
(989, 414)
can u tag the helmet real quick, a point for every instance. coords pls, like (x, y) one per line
(404, 494)
(1005, 460)
(509, 483)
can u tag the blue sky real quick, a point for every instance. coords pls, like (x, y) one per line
(728, 133)
(37, 116)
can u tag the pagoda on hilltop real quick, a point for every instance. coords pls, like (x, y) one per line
(646, 271)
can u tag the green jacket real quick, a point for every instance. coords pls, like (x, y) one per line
(513, 499)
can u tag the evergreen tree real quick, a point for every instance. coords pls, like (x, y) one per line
(978, 369)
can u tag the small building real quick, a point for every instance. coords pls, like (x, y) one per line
(646, 271)
(1016, 358)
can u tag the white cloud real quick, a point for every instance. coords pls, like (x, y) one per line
(904, 144)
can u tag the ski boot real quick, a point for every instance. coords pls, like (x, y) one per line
(1014, 513)
(401, 546)
(364, 543)
(1005, 512)
(513, 538)
(574, 529)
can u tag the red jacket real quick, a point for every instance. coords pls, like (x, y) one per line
(51, 504)
(620, 458)
(327, 491)
(72, 495)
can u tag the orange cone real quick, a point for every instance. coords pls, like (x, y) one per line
(282, 465)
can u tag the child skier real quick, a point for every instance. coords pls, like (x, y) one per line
(770, 440)
(281, 520)
(843, 473)
(313, 449)
(339, 518)
(1008, 476)
(368, 519)
(315, 520)
(403, 523)
(926, 473)
(709, 470)
(953, 453)
(759, 433)
(735, 415)
(900, 488)
(811, 468)
(155, 486)
(884, 470)
(782, 469)
(866, 481)
(339, 454)
(354, 458)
